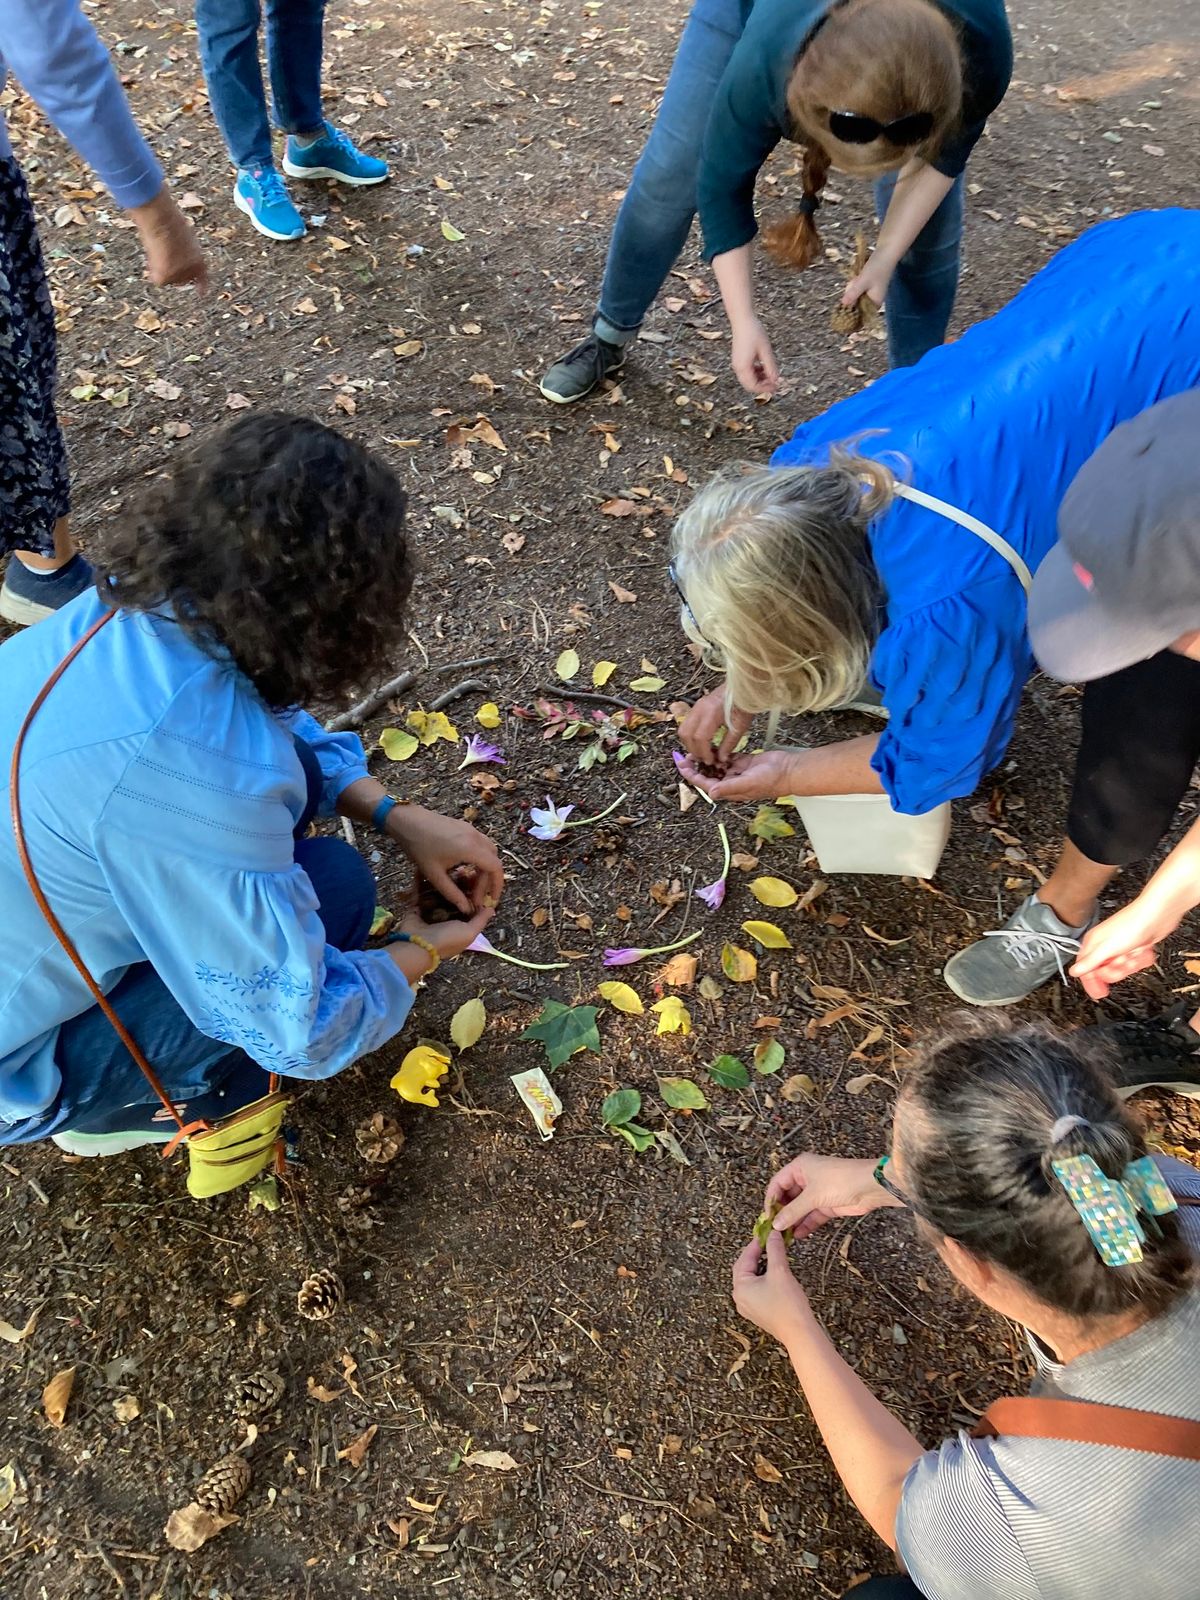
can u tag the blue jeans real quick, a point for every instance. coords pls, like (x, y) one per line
(103, 1089)
(228, 31)
(656, 214)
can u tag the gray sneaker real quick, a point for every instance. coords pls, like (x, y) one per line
(1009, 963)
(581, 369)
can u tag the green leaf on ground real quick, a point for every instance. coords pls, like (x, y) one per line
(564, 1031)
(681, 1094)
(729, 1072)
(769, 1055)
(640, 1138)
(621, 1106)
(769, 822)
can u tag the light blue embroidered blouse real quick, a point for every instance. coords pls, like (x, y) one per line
(159, 797)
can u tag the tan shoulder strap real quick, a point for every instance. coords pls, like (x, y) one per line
(1086, 1422)
(973, 525)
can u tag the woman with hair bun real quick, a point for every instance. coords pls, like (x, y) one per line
(893, 90)
(889, 545)
(1031, 1182)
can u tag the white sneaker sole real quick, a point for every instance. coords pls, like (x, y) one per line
(269, 233)
(22, 613)
(330, 172)
(108, 1144)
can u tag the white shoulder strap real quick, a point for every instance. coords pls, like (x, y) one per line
(989, 535)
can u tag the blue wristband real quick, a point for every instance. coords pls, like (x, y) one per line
(382, 812)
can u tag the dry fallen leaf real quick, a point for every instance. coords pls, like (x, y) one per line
(126, 1408)
(356, 1451)
(12, 1335)
(618, 508)
(56, 1397)
(307, 307)
(624, 597)
(679, 971)
(740, 1360)
(857, 1085)
(798, 1087)
(766, 1471)
(498, 1460)
(237, 402)
(193, 1526)
(318, 1391)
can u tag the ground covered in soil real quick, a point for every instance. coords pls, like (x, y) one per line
(564, 1304)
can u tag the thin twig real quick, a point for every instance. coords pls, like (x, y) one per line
(645, 1500)
(585, 695)
(358, 714)
(449, 696)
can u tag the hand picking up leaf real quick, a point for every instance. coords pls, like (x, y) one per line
(421, 1071)
(762, 1228)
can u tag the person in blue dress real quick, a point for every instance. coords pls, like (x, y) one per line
(166, 788)
(889, 542)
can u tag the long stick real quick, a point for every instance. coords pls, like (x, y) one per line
(586, 695)
(358, 714)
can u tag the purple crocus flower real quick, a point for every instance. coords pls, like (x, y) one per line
(548, 824)
(479, 750)
(626, 955)
(713, 894)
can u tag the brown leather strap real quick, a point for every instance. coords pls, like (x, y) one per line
(1087, 1422)
(43, 905)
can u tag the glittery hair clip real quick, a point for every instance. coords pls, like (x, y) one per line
(1106, 1208)
(1146, 1187)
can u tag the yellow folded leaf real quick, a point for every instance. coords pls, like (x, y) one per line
(567, 665)
(450, 232)
(773, 892)
(430, 726)
(488, 715)
(739, 966)
(648, 685)
(623, 997)
(467, 1024)
(397, 745)
(673, 1015)
(602, 672)
(767, 935)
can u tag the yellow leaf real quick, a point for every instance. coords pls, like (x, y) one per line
(602, 672)
(773, 892)
(450, 232)
(488, 715)
(381, 921)
(397, 745)
(567, 665)
(56, 1396)
(467, 1023)
(623, 997)
(422, 1069)
(647, 685)
(767, 935)
(430, 726)
(673, 1015)
(739, 966)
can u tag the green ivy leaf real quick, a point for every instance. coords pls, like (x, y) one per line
(769, 1055)
(729, 1072)
(682, 1094)
(620, 1107)
(640, 1138)
(564, 1031)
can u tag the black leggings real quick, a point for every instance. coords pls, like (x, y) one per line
(893, 1587)
(1140, 745)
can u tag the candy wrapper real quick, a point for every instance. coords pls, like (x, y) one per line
(542, 1103)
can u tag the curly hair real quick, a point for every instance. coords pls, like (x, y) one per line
(278, 540)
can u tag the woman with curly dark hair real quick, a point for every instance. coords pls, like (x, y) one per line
(166, 787)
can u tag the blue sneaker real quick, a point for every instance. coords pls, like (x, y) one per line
(260, 193)
(333, 155)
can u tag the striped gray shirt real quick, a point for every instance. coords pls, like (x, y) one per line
(1044, 1519)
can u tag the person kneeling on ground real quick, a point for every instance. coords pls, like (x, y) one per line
(167, 785)
(1026, 1175)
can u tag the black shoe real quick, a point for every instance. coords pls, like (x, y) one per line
(1154, 1052)
(581, 369)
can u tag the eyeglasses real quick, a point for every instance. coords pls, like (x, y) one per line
(884, 1182)
(851, 127)
(673, 574)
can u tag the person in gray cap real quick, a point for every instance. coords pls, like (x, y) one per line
(1116, 606)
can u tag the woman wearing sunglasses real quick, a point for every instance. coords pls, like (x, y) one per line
(1030, 1181)
(894, 90)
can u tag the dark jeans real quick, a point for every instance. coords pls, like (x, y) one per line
(205, 1074)
(228, 31)
(1139, 747)
(893, 1587)
(656, 214)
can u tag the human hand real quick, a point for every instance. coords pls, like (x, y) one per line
(752, 358)
(769, 775)
(1122, 945)
(872, 281)
(814, 1189)
(773, 1300)
(169, 243)
(434, 844)
(698, 730)
(449, 938)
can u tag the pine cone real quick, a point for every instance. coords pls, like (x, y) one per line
(320, 1295)
(380, 1138)
(258, 1393)
(846, 319)
(223, 1485)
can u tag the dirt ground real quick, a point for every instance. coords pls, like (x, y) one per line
(567, 1302)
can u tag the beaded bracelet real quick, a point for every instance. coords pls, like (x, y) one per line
(421, 944)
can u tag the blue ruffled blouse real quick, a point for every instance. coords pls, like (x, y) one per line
(997, 424)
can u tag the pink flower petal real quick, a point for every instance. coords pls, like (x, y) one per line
(623, 957)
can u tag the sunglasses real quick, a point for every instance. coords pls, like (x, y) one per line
(851, 127)
(896, 1192)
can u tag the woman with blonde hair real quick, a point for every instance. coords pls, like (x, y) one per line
(901, 560)
(893, 90)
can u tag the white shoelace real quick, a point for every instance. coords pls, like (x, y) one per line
(1026, 945)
